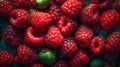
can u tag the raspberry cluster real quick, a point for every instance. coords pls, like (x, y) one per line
(60, 33)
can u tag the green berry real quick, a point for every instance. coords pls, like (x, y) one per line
(47, 56)
(42, 4)
(96, 63)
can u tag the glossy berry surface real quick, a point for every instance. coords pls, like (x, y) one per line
(84, 36)
(71, 8)
(19, 18)
(6, 59)
(54, 38)
(5, 8)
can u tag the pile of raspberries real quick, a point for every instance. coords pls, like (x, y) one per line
(71, 28)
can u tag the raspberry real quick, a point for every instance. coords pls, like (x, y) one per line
(6, 59)
(26, 55)
(54, 38)
(117, 6)
(13, 36)
(22, 4)
(90, 14)
(40, 20)
(72, 8)
(113, 42)
(33, 38)
(55, 12)
(103, 4)
(84, 36)
(69, 47)
(60, 63)
(19, 18)
(97, 45)
(79, 60)
(5, 8)
(109, 19)
(66, 25)
(37, 65)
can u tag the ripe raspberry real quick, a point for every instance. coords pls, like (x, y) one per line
(84, 36)
(109, 19)
(37, 65)
(72, 8)
(60, 63)
(54, 38)
(79, 60)
(26, 55)
(69, 47)
(97, 45)
(6, 59)
(66, 25)
(90, 15)
(33, 38)
(60, 1)
(113, 42)
(103, 4)
(5, 8)
(117, 6)
(22, 4)
(40, 20)
(13, 36)
(55, 12)
(19, 18)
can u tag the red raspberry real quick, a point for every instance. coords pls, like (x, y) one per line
(90, 14)
(72, 8)
(5, 8)
(37, 65)
(97, 45)
(79, 60)
(55, 12)
(19, 18)
(26, 55)
(60, 63)
(84, 36)
(117, 6)
(13, 36)
(54, 38)
(109, 19)
(33, 38)
(113, 42)
(41, 20)
(69, 47)
(66, 25)
(103, 4)
(6, 59)
(22, 4)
